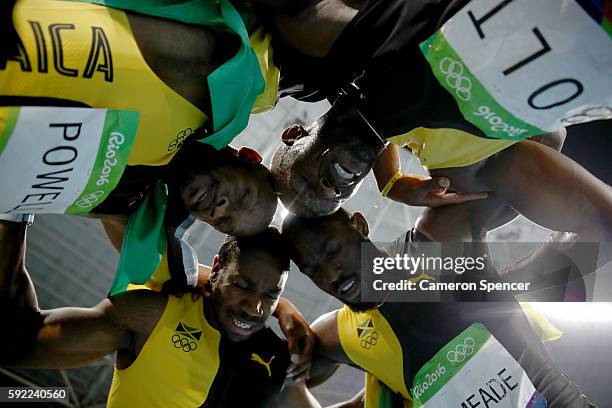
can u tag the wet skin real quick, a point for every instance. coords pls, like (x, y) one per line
(245, 292)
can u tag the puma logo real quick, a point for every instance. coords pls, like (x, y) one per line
(259, 360)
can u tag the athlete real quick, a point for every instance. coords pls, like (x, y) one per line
(96, 103)
(395, 98)
(401, 344)
(217, 348)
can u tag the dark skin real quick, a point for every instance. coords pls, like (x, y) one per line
(300, 338)
(72, 337)
(332, 259)
(540, 181)
(541, 177)
(183, 55)
(329, 352)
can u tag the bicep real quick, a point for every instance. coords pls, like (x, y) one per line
(328, 353)
(115, 229)
(72, 337)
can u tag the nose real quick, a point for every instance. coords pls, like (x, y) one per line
(252, 308)
(332, 274)
(328, 189)
(220, 209)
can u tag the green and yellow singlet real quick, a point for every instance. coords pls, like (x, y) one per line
(186, 362)
(391, 343)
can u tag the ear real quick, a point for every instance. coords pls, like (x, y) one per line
(293, 133)
(214, 271)
(249, 155)
(359, 222)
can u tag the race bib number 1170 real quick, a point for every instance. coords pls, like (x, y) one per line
(62, 160)
(519, 68)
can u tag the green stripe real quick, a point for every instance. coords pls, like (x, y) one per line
(477, 106)
(144, 241)
(440, 370)
(118, 136)
(9, 126)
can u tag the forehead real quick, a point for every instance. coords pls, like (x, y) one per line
(311, 239)
(257, 267)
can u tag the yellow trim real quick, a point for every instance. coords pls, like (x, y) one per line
(545, 330)
(444, 148)
(164, 375)
(391, 183)
(385, 359)
(261, 42)
(164, 114)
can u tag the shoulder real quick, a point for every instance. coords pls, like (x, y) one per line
(138, 310)
(328, 335)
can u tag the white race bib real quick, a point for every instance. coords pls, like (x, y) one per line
(519, 68)
(474, 370)
(62, 160)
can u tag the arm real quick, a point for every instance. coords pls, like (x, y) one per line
(356, 402)
(66, 337)
(300, 338)
(412, 189)
(115, 229)
(328, 353)
(73, 337)
(15, 283)
(295, 394)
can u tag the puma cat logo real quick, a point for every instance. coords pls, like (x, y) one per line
(259, 360)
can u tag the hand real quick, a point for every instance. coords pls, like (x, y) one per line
(300, 337)
(428, 192)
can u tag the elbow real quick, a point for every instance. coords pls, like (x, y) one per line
(20, 327)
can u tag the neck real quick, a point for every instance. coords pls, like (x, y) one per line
(314, 31)
(210, 314)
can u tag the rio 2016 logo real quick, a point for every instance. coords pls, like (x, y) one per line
(455, 78)
(461, 351)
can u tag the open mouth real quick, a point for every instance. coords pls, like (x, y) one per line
(348, 288)
(345, 173)
(241, 324)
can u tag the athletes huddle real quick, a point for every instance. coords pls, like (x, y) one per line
(124, 110)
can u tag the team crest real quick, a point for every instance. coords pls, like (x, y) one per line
(256, 358)
(186, 337)
(367, 334)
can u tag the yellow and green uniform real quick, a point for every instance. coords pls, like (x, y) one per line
(393, 342)
(186, 362)
(80, 55)
(404, 101)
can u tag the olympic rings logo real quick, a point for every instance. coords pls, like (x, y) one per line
(180, 139)
(594, 113)
(89, 200)
(184, 343)
(369, 341)
(459, 354)
(455, 78)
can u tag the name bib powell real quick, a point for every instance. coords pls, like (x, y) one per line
(62, 160)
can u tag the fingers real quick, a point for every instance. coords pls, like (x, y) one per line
(438, 200)
(300, 372)
(300, 351)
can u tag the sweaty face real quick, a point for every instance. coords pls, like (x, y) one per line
(246, 292)
(235, 198)
(324, 163)
(330, 256)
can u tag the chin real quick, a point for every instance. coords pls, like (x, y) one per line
(362, 306)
